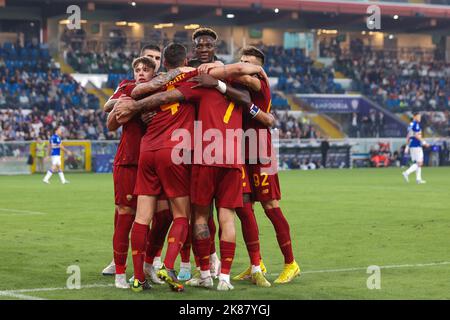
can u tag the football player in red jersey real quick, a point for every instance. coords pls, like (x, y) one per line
(125, 168)
(215, 113)
(163, 216)
(157, 173)
(266, 186)
(204, 42)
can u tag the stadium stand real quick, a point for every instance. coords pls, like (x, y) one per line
(30, 77)
(397, 84)
(78, 123)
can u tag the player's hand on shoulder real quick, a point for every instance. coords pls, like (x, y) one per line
(205, 67)
(186, 69)
(204, 80)
(124, 110)
(147, 116)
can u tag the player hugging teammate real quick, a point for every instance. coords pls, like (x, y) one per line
(186, 111)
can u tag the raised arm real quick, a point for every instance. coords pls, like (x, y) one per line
(158, 82)
(250, 82)
(235, 70)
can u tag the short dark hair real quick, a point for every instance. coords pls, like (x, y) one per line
(174, 55)
(204, 32)
(146, 61)
(153, 47)
(253, 51)
(415, 113)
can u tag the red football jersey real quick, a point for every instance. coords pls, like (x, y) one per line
(216, 114)
(263, 100)
(179, 115)
(132, 131)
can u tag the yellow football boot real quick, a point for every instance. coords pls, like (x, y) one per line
(259, 279)
(289, 272)
(247, 274)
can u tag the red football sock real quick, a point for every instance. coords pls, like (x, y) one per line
(186, 249)
(121, 241)
(202, 249)
(227, 250)
(177, 236)
(138, 242)
(116, 213)
(212, 233)
(250, 232)
(197, 259)
(283, 233)
(155, 239)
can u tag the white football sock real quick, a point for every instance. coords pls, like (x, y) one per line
(412, 169)
(61, 177)
(224, 277)
(213, 257)
(419, 174)
(205, 274)
(256, 269)
(185, 265)
(48, 175)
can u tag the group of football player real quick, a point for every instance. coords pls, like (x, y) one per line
(171, 172)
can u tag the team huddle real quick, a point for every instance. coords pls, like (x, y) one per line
(183, 154)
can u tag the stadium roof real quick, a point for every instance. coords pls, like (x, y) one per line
(311, 14)
(339, 6)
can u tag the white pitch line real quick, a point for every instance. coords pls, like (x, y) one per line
(19, 296)
(418, 265)
(16, 293)
(21, 211)
(88, 286)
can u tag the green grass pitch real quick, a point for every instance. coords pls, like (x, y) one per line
(342, 221)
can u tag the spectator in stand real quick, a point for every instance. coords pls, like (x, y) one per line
(354, 129)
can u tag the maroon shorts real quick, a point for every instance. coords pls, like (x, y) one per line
(266, 187)
(246, 186)
(158, 175)
(124, 183)
(219, 183)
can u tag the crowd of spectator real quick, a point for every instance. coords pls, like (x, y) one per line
(399, 85)
(292, 126)
(101, 62)
(367, 126)
(298, 73)
(77, 123)
(30, 77)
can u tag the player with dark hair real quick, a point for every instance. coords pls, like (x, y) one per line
(163, 216)
(154, 52)
(229, 192)
(204, 42)
(54, 150)
(157, 173)
(266, 186)
(415, 144)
